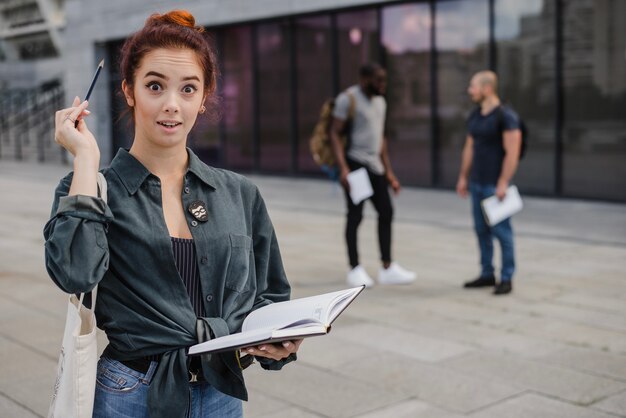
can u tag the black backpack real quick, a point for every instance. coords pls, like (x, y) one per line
(522, 128)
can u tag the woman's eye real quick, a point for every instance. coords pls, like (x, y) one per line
(154, 86)
(189, 89)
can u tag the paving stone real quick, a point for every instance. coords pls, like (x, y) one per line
(569, 385)
(533, 405)
(573, 334)
(21, 378)
(604, 304)
(590, 361)
(291, 412)
(318, 391)
(564, 314)
(431, 383)
(397, 341)
(260, 405)
(9, 408)
(615, 404)
(332, 352)
(411, 408)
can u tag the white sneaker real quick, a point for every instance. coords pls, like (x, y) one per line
(358, 277)
(395, 274)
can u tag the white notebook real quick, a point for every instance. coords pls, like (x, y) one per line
(360, 185)
(496, 210)
(289, 320)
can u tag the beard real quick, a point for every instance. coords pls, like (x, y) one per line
(374, 90)
(478, 99)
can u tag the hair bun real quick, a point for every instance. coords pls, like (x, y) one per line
(175, 17)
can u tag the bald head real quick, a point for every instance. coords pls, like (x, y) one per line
(487, 78)
(484, 84)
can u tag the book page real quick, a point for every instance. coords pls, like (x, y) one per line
(314, 309)
(258, 336)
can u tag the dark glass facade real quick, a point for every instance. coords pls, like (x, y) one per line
(525, 60)
(561, 65)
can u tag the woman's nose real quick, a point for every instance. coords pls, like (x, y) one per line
(171, 104)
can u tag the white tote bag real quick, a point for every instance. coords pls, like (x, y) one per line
(75, 385)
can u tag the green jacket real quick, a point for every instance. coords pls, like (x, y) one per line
(124, 247)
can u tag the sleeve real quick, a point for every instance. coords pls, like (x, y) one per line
(272, 284)
(76, 247)
(342, 105)
(510, 120)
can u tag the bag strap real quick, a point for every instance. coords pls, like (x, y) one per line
(102, 187)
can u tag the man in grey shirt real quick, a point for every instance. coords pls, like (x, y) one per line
(360, 113)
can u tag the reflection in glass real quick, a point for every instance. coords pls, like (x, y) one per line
(594, 78)
(357, 42)
(236, 95)
(405, 35)
(274, 96)
(462, 32)
(524, 35)
(122, 129)
(204, 137)
(314, 74)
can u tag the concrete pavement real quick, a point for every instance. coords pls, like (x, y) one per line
(556, 347)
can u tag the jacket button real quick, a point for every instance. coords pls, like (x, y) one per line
(209, 298)
(187, 190)
(204, 260)
(194, 223)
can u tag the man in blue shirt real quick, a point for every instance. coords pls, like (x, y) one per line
(489, 160)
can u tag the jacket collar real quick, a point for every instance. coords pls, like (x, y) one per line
(132, 173)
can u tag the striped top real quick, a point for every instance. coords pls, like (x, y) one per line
(185, 259)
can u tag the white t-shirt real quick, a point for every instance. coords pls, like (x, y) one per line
(366, 136)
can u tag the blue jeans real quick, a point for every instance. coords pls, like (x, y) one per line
(122, 392)
(502, 231)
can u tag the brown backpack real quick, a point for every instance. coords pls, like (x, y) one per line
(320, 143)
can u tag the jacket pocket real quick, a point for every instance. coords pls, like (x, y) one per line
(237, 275)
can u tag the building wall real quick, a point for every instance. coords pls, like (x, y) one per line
(91, 23)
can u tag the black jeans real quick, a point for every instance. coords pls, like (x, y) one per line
(382, 203)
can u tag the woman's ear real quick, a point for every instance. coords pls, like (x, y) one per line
(128, 93)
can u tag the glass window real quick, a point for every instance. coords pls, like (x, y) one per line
(314, 74)
(462, 39)
(123, 128)
(204, 137)
(406, 38)
(358, 41)
(274, 96)
(594, 78)
(235, 58)
(525, 40)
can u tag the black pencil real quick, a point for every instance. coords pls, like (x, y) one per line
(93, 83)
(95, 77)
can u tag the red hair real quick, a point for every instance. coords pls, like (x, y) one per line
(175, 29)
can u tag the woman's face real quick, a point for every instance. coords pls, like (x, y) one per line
(167, 94)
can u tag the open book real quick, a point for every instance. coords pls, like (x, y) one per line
(497, 210)
(289, 320)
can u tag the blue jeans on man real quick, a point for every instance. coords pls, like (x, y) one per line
(485, 234)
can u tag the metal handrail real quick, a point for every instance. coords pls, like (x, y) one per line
(27, 123)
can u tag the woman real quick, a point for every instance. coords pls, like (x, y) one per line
(182, 252)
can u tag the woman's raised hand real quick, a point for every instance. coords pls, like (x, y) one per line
(76, 138)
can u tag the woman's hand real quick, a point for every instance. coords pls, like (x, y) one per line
(276, 351)
(77, 139)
